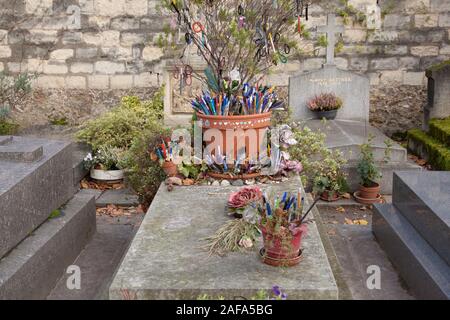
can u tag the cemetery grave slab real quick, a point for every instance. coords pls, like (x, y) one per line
(33, 267)
(5, 140)
(165, 260)
(30, 191)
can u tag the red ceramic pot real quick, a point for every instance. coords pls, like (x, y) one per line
(283, 251)
(170, 168)
(371, 192)
(329, 196)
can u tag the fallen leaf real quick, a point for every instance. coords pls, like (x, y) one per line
(334, 222)
(188, 182)
(363, 208)
(348, 221)
(347, 195)
(340, 209)
(331, 232)
(361, 222)
(140, 209)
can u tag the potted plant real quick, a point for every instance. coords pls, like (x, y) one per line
(164, 153)
(104, 164)
(369, 190)
(325, 105)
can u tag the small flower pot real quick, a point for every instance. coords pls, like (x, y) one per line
(329, 196)
(107, 175)
(329, 115)
(283, 250)
(170, 168)
(368, 195)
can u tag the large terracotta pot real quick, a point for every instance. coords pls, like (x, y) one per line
(239, 130)
(281, 251)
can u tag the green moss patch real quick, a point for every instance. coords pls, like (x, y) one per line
(440, 129)
(438, 153)
(8, 127)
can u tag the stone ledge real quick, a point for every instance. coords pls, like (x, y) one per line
(31, 270)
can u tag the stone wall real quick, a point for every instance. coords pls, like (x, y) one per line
(111, 44)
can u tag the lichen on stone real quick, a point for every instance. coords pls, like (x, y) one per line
(437, 67)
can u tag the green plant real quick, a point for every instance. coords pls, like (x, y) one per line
(13, 90)
(316, 158)
(144, 174)
(366, 168)
(349, 10)
(325, 102)
(191, 170)
(105, 158)
(117, 128)
(59, 121)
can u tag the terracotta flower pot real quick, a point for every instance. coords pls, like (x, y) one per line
(329, 196)
(369, 192)
(170, 168)
(239, 132)
(368, 195)
(282, 251)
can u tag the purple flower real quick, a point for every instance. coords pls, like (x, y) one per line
(276, 290)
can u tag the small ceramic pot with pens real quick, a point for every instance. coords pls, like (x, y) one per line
(164, 154)
(170, 168)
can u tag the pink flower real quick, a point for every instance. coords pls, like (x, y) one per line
(244, 197)
(291, 166)
(246, 242)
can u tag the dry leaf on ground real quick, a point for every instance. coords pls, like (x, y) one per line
(340, 209)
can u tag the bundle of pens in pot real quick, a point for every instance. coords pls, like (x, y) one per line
(251, 100)
(241, 168)
(283, 225)
(164, 154)
(236, 108)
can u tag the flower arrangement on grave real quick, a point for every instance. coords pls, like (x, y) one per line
(369, 190)
(104, 164)
(330, 181)
(279, 218)
(325, 105)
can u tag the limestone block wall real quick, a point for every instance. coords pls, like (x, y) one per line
(111, 44)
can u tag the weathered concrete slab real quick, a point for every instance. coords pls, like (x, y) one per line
(121, 197)
(165, 260)
(425, 272)
(438, 105)
(347, 136)
(21, 150)
(31, 270)
(424, 200)
(29, 192)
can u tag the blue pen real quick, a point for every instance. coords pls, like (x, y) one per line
(269, 210)
(283, 199)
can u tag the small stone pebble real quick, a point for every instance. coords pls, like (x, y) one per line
(237, 183)
(174, 180)
(225, 183)
(250, 182)
(215, 183)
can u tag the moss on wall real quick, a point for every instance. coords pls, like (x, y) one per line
(440, 129)
(437, 67)
(438, 154)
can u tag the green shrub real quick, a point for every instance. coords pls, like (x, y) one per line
(118, 127)
(143, 174)
(8, 127)
(317, 160)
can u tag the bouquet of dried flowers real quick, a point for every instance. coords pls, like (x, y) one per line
(325, 102)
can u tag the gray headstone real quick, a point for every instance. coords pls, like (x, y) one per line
(438, 105)
(352, 88)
